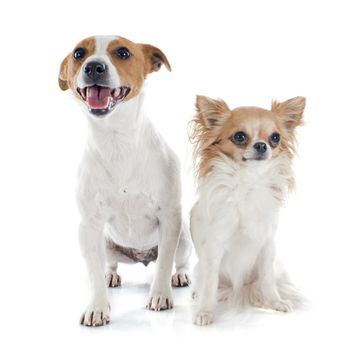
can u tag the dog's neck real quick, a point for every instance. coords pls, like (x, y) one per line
(276, 175)
(121, 132)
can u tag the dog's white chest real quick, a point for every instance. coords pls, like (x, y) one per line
(123, 174)
(255, 207)
(134, 220)
(252, 200)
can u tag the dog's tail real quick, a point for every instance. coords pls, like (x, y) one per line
(288, 291)
(249, 294)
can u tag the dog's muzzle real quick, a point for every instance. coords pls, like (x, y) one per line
(101, 100)
(99, 97)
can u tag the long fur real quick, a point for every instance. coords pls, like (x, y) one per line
(235, 218)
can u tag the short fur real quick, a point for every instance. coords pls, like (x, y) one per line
(129, 191)
(235, 218)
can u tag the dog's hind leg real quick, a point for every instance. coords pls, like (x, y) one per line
(183, 253)
(112, 257)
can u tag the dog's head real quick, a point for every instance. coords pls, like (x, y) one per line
(245, 134)
(105, 71)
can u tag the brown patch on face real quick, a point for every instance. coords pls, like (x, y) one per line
(215, 128)
(131, 71)
(256, 124)
(70, 67)
(144, 59)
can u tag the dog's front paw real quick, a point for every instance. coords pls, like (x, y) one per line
(113, 279)
(180, 279)
(203, 318)
(95, 316)
(160, 301)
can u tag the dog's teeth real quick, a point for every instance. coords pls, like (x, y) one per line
(117, 92)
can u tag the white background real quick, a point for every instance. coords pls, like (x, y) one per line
(246, 52)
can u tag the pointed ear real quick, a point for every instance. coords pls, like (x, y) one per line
(212, 112)
(62, 76)
(154, 58)
(291, 110)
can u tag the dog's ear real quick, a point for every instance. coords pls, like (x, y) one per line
(62, 76)
(212, 112)
(291, 111)
(154, 58)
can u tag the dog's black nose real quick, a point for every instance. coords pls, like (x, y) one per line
(260, 147)
(95, 70)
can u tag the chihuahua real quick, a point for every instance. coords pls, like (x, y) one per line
(243, 160)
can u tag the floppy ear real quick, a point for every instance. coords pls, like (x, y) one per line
(62, 77)
(154, 58)
(291, 110)
(212, 112)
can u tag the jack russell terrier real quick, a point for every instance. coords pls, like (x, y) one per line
(129, 192)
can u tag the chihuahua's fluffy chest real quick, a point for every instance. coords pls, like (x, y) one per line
(241, 204)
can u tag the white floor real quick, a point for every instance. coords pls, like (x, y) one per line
(48, 318)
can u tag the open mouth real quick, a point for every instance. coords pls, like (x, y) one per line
(101, 100)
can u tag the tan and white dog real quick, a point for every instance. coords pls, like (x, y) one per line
(244, 169)
(129, 191)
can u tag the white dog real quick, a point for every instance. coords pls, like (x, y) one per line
(244, 171)
(129, 183)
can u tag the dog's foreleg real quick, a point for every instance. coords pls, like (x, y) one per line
(267, 289)
(160, 297)
(92, 243)
(208, 269)
(208, 272)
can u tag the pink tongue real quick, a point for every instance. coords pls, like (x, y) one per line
(98, 97)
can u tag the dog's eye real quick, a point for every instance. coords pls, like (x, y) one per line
(239, 138)
(275, 139)
(79, 53)
(123, 53)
